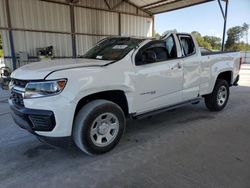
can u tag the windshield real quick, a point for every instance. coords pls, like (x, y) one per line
(112, 48)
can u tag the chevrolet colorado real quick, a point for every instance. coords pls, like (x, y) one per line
(87, 100)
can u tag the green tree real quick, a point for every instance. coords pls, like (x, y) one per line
(156, 35)
(200, 40)
(240, 47)
(215, 42)
(234, 34)
(169, 31)
(245, 29)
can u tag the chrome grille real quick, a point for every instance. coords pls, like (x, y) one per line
(17, 92)
(20, 83)
(17, 98)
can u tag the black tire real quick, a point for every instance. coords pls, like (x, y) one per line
(212, 101)
(84, 122)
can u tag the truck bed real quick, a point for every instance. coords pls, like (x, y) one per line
(215, 53)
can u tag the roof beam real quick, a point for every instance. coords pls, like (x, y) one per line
(152, 4)
(107, 4)
(117, 5)
(222, 11)
(177, 8)
(225, 25)
(95, 8)
(162, 4)
(134, 5)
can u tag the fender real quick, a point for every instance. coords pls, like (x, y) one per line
(128, 91)
(217, 69)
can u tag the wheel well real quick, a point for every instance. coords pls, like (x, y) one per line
(116, 96)
(226, 76)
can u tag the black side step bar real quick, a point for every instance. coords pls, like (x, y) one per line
(154, 112)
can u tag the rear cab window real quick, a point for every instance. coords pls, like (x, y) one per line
(186, 44)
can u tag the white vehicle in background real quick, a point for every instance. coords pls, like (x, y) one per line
(87, 100)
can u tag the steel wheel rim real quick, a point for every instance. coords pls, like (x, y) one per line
(222, 95)
(104, 129)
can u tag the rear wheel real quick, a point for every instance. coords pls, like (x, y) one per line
(98, 127)
(218, 99)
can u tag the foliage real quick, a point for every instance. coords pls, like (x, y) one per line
(245, 28)
(200, 40)
(240, 47)
(156, 35)
(235, 34)
(169, 31)
(215, 42)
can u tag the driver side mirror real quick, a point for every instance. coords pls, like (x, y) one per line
(149, 56)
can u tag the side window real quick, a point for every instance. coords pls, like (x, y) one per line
(171, 48)
(154, 51)
(187, 45)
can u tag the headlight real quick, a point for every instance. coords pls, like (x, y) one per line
(44, 89)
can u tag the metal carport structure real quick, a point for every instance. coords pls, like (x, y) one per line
(72, 26)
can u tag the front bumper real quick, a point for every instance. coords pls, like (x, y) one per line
(38, 120)
(31, 119)
(58, 106)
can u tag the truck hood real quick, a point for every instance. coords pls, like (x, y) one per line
(39, 70)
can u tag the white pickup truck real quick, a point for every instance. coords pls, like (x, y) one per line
(87, 100)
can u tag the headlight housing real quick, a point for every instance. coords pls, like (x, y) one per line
(44, 88)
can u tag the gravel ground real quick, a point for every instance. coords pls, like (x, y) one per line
(187, 147)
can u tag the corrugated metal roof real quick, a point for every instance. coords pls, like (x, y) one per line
(159, 6)
(141, 7)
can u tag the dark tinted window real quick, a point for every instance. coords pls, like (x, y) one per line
(187, 45)
(154, 51)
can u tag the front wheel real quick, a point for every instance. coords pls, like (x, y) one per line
(98, 127)
(218, 99)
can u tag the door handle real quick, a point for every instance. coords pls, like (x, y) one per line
(178, 66)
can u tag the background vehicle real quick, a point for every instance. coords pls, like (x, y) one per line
(4, 77)
(88, 99)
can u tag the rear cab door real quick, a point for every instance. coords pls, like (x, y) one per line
(190, 60)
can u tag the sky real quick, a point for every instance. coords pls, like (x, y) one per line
(205, 18)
